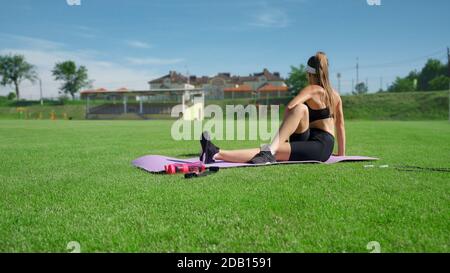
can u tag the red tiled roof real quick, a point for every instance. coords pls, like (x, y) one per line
(240, 88)
(98, 90)
(103, 90)
(272, 88)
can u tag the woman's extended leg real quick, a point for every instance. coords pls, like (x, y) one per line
(237, 156)
(245, 155)
(295, 120)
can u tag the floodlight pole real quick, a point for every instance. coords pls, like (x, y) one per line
(357, 71)
(124, 104)
(339, 82)
(40, 91)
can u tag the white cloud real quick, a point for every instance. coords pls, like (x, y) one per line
(84, 28)
(271, 18)
(153, 61)
(44, 54)
(138, 44)
(31, 41)
(85, 31)
(266, 15)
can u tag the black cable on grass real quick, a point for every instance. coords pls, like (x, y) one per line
(421, 169)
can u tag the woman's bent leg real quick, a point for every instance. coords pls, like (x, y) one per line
(295, 120)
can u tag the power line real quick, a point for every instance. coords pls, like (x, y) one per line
(438, 54)
(377, 78)
(415, 59)
(405, 61)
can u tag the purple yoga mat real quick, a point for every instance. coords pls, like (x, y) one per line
(156, 163)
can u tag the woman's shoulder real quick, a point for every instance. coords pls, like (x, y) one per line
(313, 88)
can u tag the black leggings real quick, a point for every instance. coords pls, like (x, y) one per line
(314, 144)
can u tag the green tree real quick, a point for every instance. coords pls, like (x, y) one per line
(297, 79)
(11, 96)
(403, 85)
(74, 78)
(439, 83)
(432, 69)
(14, 69)
(360, 89)
(406, 84)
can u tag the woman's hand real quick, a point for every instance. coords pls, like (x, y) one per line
(292, 104)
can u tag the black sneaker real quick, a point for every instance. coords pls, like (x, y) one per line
(264, 157)
(208, 149)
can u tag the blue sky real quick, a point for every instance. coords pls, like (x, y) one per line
(127, 43)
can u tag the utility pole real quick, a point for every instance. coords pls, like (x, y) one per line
(367, 84)
(40, 91)
(339, 82)
(353, 85)
(187, 75)
(381, 83)
(357, 70)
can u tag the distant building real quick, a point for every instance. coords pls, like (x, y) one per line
(225, 85)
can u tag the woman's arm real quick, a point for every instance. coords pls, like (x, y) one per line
(340, 127)
(302, 96)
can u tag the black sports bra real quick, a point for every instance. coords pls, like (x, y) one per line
(315, 115)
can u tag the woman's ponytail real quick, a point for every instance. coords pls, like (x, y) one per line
(324, 79)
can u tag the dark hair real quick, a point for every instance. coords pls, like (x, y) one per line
(312, 62)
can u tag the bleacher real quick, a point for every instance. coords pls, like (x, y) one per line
(116, 111)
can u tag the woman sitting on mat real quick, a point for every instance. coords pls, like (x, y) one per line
(308, 128)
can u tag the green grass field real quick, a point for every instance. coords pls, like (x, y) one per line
(65, 181)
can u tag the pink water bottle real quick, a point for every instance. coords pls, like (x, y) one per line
(184, 168)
